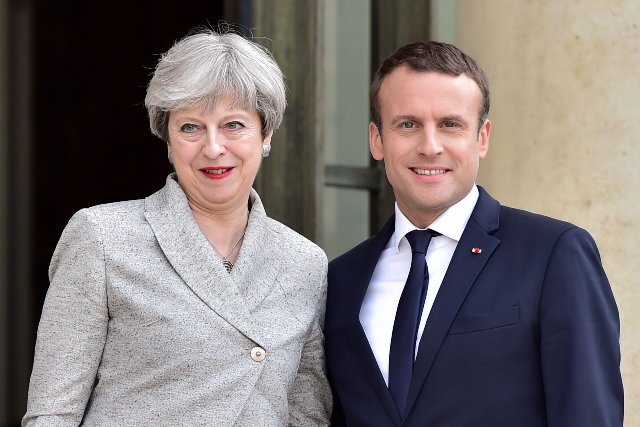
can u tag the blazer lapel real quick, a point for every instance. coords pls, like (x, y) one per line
(366, 259)
(465, 266)
(260, 260)
(192, 257)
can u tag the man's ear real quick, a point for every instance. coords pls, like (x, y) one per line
(483, 138)
(375, 142)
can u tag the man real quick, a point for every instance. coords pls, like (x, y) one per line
(511, 322)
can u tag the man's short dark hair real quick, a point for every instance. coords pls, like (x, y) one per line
(430, 56)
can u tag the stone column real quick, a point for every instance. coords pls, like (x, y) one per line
(16, 127)
(4, 141)
(291, 179)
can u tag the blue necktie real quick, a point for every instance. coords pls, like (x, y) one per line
(405, 326)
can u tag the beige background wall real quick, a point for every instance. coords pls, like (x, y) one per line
(565, 142)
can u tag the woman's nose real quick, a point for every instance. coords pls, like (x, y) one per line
(213, 145)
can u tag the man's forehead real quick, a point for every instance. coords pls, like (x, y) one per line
(421, 88)
(407, 75)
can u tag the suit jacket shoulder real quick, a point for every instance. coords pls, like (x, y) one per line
(502, 337)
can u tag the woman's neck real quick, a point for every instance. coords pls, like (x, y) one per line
(223, 229)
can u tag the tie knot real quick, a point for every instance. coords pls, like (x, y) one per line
(420, 239)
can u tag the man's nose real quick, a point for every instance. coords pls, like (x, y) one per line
(430, 144)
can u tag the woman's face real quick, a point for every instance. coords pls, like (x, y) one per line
(217, 154)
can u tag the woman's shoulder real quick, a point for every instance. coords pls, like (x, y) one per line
(92, 227)
(114, 214)
(293, 241)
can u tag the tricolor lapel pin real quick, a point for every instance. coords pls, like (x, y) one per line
(476, 250)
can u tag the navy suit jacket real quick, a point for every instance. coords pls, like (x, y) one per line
(524, 333)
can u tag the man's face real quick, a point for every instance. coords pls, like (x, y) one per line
(429, 140)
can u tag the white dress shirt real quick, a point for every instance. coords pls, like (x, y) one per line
(378, 310)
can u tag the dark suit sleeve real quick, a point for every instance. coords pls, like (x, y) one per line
(579, 342)
(337, 415)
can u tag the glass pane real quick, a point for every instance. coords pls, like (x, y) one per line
(345, 79)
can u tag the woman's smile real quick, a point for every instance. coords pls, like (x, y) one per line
(217, 172)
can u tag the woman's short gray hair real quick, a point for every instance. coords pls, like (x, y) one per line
(204, 67)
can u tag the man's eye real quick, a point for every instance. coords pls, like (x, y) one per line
(408, 125)
(234, 125)
(189, 128)
(450, 124)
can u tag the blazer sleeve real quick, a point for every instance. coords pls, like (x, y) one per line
(72, 329)
(310, 400)
(580, 347)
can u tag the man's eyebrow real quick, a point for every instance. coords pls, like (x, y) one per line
(404, 118)
(454, 118)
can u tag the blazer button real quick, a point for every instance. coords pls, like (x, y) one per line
(258, 354)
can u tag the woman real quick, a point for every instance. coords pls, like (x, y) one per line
(190, 307)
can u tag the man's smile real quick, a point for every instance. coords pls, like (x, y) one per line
(429, 172)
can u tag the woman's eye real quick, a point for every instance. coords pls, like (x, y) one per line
(189, 128)
(234, 125)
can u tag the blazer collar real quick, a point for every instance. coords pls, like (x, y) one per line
(465, 266)
(192, 257)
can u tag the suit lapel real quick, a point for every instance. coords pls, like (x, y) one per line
(359, 278)
(464, 268)
(192, 257)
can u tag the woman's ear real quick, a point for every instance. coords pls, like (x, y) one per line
(169, 153)
(266, 145)
(267, 139)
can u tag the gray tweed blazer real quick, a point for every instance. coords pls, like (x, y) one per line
(143, 326)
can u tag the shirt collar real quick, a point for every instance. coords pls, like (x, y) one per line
(451, 223)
